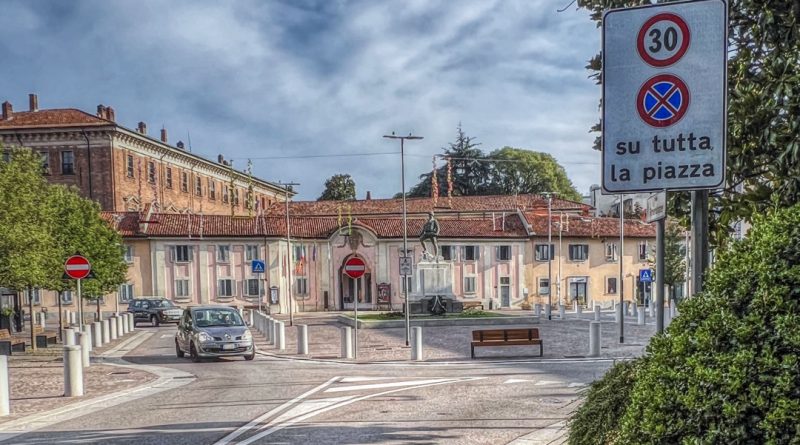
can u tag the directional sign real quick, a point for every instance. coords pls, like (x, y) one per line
(258, 266)
(355, 267)
(646, 275)
(664, 97)
(406, 265)
(77, 267)
(656, 207)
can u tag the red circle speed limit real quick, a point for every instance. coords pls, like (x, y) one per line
(663, 39)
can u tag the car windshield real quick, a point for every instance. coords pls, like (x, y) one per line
(163, 303)
(204, 318)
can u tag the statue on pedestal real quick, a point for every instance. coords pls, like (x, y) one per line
(430, 232)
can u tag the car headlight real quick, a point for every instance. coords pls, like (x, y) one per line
(203, 337)
(247, 336)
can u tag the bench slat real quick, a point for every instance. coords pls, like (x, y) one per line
(506, 337)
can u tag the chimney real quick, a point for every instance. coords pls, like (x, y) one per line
(33, 100)
(221, 159)
(8, 110)
(101, 111)
(164, 135)
(179, 145)
(142, 128)
(110, 114)
(369, 195)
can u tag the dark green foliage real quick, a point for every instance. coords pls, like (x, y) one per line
(597, 420)
(339, 187)
(727, 370)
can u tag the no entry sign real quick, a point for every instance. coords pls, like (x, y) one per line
(77, 267)
(354, 267)
(664, 96)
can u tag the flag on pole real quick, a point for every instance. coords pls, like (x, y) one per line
(434, 184)
(449, 183)
(314, 253)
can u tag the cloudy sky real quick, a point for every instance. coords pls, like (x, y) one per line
(281, 81)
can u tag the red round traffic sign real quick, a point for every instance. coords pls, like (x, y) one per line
(663, 100)
(77, 267)
(663, 39)
(355, 267)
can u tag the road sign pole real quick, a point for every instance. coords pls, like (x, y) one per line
(660, 272)
(80, 307)
(359, 282)
(699, 238)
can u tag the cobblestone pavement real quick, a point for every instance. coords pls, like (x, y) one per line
(567, 338)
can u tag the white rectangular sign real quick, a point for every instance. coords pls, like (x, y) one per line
(664, 97)
(656, 207)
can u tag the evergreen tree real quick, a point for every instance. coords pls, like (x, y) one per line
(339, 187)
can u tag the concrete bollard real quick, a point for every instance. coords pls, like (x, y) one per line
(652, 312)
(347, 342)
(131, 323)
(250, 317)
(106, 325)
(416, 343)
(73, 318)
(302, 339)
(83, 340)
(112, 325)
(5, 395)
(562, 313)
(280, 336)
(579, 310)
(43, 320)
(69, 337)
(548, 311)
(537, 309)
(87, 330)
(73, 371)
(597, 312)
(618, 313)
(673, 311)
(273, 331)
(626, 308)
(121, 328)
(594, 339)
(97, 334)
(635, 311)
(640, 316)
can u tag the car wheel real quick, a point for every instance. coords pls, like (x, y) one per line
(251, 356)
(178, 350)
(154, 321)
(193, 353)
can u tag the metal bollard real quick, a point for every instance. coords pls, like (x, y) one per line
(73, 371)
(280, 336)
(97, 334)
(562, 313)
(43, 320)
(597, 312)
(302, 339)
(594, 339)
(347, 342)
(5, 407)
(83, 341)
(548, 311)
(87, 330)
(106, 331)
(640, 316)
(112, 324)
(416, 343)
(69, 337)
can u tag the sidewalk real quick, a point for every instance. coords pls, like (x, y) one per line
(563, 339)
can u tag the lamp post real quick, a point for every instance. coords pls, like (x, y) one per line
(287, 186)
(549, 252)
(405, 222)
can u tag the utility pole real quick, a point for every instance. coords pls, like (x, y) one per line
(699, 239)
(405, 224)
(287, 186)
(621, 276)
(550, 253)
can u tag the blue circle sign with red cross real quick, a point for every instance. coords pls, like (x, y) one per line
(662, 100)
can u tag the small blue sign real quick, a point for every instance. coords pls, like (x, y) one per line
(646, 275)
(258, 266)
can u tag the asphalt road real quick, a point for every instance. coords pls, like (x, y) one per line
(271, 400)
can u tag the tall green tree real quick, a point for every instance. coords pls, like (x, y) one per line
(674, 258)
(339, 187)
(763, 167)
(28, 255)
(516, 171)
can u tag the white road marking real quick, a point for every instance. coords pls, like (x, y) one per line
(517, 381)
(291, 422)
(385, 385)
(362, 379)
(253, 423)
(166, 336)
(547, 382)
(576, 385)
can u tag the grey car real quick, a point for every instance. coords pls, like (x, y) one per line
(213, 331)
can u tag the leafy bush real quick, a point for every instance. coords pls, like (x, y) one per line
(597, 420)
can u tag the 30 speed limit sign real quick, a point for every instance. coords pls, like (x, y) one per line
(663, 39)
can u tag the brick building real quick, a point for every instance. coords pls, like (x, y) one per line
(125, 169)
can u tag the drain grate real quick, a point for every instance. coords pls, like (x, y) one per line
(119, 373)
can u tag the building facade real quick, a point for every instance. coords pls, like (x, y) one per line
(125, 170)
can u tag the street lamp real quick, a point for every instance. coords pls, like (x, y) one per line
(549, 253)
(405, 222)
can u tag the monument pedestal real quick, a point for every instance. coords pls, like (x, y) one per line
(434, 281)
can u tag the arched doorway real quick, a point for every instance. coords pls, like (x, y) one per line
(359, 289)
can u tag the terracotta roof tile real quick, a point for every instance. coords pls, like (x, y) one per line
(126, 223)
(589, 226)
(64, 117)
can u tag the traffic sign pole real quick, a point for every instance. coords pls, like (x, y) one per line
(80, 307)
(660, 273)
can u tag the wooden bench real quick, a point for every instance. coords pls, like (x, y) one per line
(44, 338)
(472, 304)
(507, 337)
(8, 342)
